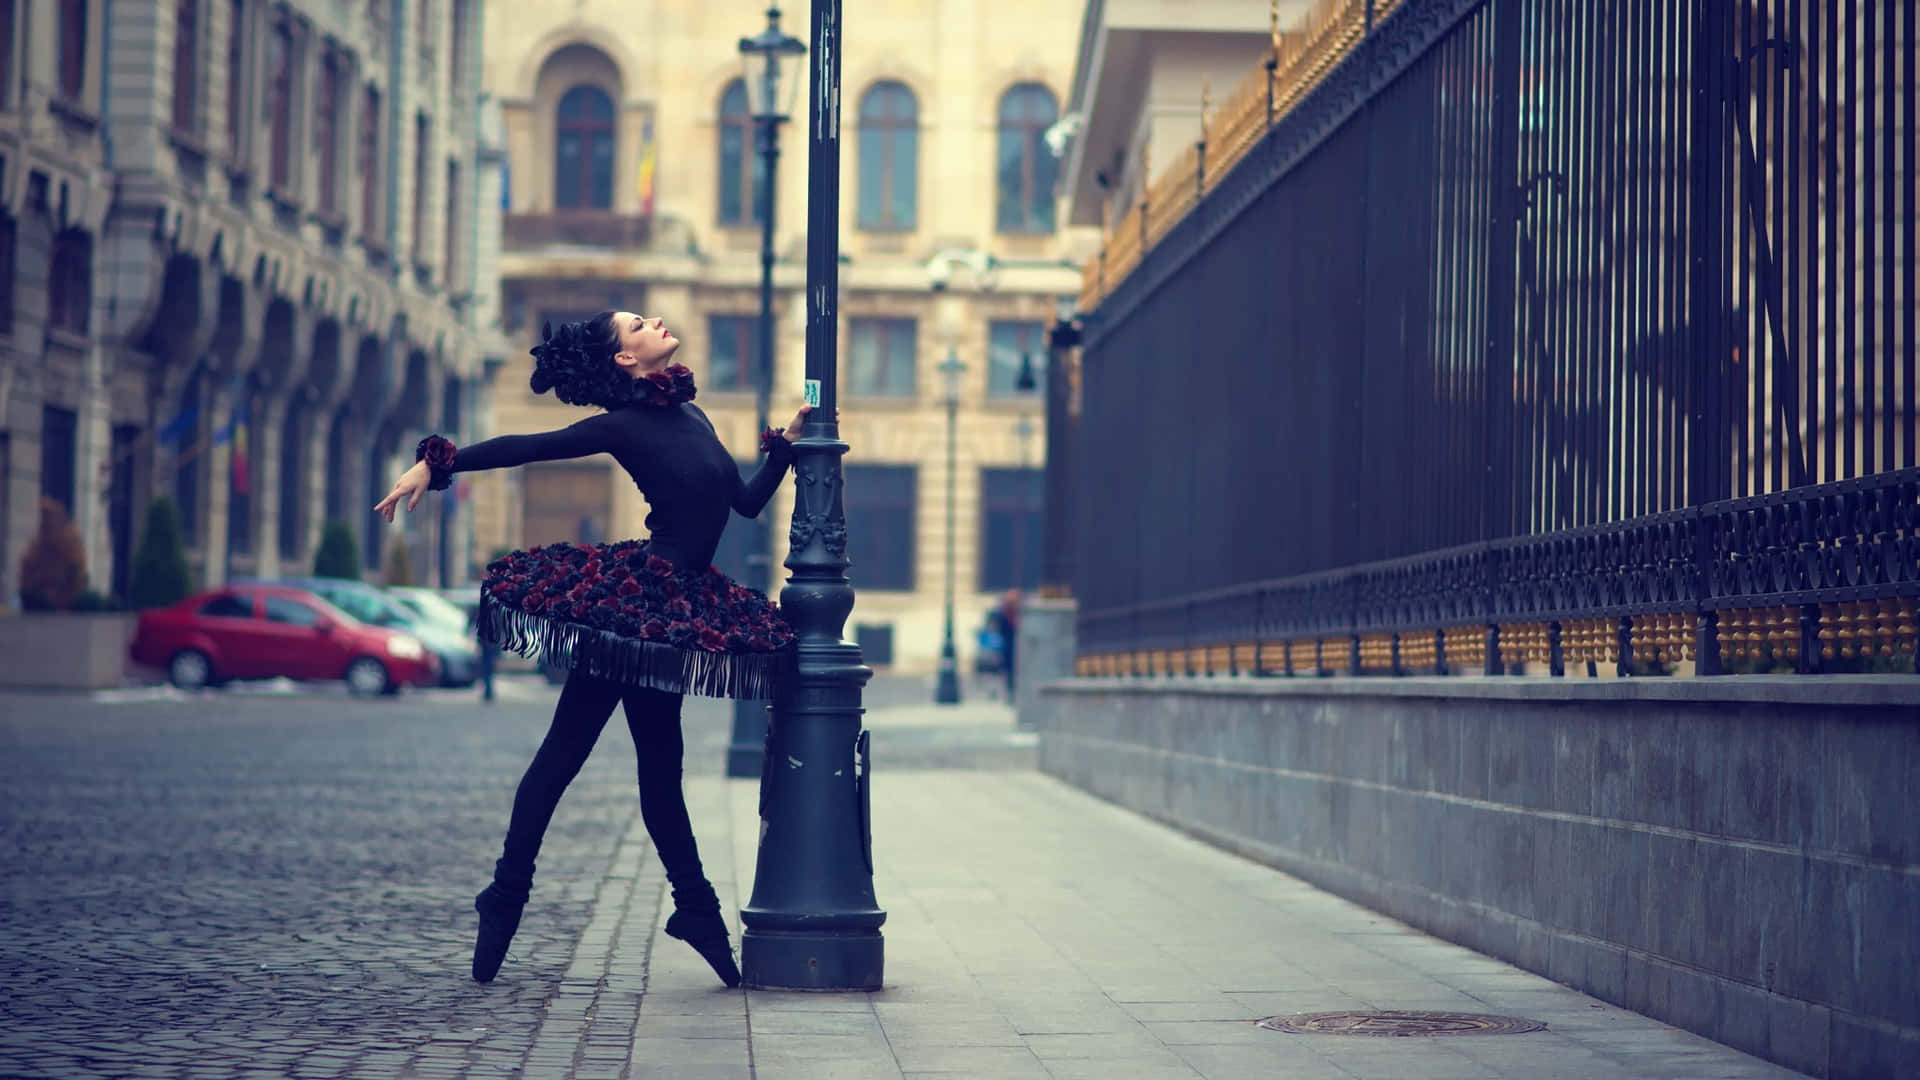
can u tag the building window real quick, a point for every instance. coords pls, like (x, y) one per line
(739, 179)
(70, 281)
(188, 461)
(59, 430)
(1007, 344)
(889, 157)
(880, 502)
(240, 470)
(326, 133)
(280, 107)
(370, 163)
(186, 65)
(733, 357)
(423, 32)
(7, 38)
(451, 243)
(7, 248)
(236, 75)
(293, 482)
(457, 53)
(881, 358)
(422, 133)
(126, 439)
(1027, 168)
(339, 437)
(1012, 520)
(73, 48)
(583, 150)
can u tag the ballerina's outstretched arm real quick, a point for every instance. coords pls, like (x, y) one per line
(439, 459)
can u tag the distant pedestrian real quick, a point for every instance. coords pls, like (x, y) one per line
(489, 656)
(639, 623)
(1006, 623)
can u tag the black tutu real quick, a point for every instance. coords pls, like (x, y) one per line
(618, 612)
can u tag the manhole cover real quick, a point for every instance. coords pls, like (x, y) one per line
(1393, 1023)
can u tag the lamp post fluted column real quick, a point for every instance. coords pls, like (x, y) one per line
(813, 922)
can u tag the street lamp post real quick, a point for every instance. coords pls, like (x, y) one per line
(813, 922)
(947, 692)
(1023, 431)
(773, 49)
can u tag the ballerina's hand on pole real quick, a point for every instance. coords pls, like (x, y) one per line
(800, 421)
(411, 485)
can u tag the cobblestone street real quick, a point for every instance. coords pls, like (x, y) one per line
(240, 884)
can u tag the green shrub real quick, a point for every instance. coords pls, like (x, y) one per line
(160, 577)
(339, 555)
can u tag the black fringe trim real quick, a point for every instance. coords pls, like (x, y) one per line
(748, 676)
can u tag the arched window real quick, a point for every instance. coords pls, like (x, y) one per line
(739, 180)
(583, 150)
(1027, 169)
(70, 281)
(889, 157)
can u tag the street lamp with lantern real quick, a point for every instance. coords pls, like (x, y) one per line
(1023, 432)
(813, 922)
(770, 90)
(947, 691)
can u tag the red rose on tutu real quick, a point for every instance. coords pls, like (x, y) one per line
(713, 640)
(533, 603)
(653, 630)
(679, 608)
(629, 588)
(659, 566)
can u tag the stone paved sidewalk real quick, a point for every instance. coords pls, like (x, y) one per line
(1036, 932)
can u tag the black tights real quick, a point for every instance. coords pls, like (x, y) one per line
(653, 717)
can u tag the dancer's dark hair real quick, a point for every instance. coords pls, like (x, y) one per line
(575, 361)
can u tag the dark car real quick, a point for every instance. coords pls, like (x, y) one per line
(269, 632)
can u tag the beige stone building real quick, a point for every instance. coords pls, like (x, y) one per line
(632, 164)
(243, 262)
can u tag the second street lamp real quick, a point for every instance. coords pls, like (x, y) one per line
(947, 692)
(770, 90)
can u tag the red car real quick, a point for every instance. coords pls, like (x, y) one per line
(268, 632)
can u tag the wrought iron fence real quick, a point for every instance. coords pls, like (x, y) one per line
(1535, 331)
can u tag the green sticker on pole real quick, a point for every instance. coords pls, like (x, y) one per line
(813, 393)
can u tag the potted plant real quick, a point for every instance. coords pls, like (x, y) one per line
(65, 637)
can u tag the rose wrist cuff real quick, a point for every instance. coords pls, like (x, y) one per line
(438, 453)
(774, 444)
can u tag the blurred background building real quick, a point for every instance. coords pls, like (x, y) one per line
(632, 163)
(245, 258)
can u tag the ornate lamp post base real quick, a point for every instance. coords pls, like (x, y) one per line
(803, 961)
(813, 922)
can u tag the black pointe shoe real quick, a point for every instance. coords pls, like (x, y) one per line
(707, 933)
(499, 918)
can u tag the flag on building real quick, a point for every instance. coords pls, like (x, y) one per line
(242, 471)
(647, 162)
(180, 426)
(235, 432)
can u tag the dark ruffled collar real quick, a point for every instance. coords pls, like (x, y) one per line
(670, 386)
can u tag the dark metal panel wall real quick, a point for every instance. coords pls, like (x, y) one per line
(1569, 281)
